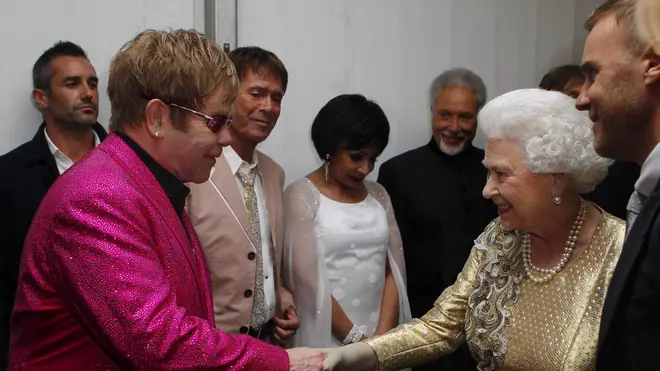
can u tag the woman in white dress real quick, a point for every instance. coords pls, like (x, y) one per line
(343, 257)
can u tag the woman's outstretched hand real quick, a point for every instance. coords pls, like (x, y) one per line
(352, 357)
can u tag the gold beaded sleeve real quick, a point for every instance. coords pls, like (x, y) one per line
(438, 332)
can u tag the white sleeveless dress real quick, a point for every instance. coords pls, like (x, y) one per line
(354, 238)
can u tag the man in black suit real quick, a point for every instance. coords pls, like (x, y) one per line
(436, 193)
(65, 91)
(622, 94)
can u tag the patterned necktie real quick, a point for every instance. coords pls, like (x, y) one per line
(635, 204)
(259, 305)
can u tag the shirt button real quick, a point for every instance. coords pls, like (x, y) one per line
(243, 330)
(251, 255)
(248, 293)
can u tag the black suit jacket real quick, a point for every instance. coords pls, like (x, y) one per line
(440, 210)
(630, 326)
(26, 174)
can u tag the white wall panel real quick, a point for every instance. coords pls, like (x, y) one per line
(390, 50)
(28, 27)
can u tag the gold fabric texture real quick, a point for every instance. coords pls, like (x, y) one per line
(508, 321)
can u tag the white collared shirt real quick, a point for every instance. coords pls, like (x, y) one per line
(650, 173)
(63, 161)
(237, 164)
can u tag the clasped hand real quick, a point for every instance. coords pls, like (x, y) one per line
(353, 357)
(306, 359)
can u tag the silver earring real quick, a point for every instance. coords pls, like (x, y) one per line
(326, 167)
(158, 134)
(556, 199)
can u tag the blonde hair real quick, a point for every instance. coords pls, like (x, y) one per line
(647, 18)
(624, 12)
(181, 67)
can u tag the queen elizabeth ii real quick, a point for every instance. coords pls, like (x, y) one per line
(531, 293)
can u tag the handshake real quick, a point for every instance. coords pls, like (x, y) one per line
(353, 357)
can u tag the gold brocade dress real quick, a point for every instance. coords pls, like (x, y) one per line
(508, 321)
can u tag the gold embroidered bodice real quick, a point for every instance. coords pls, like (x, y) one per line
(508, 321)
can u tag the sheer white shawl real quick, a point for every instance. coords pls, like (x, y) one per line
(304, 269)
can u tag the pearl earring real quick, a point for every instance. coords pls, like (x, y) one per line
(556, 199)
(158, 134)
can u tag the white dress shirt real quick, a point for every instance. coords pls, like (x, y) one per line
(237, 164)
(63, 161)
(650, 173)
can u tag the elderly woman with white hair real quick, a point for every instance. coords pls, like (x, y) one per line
(531, 293)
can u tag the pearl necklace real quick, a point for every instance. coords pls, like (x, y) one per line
(548, 274)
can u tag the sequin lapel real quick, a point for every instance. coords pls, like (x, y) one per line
(205, 284)
(152, 190)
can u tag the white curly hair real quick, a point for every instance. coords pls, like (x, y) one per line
(555, 136)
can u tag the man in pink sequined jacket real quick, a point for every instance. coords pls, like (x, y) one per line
(112, 274)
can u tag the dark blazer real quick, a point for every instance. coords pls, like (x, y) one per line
(26, 174)
(613, 193)
(440, 209)
(630, 327)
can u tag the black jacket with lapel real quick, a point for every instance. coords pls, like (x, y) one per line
(630, 326)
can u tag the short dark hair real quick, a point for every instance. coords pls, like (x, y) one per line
(559, 76)
(352, 122)
(254, 58)
(624, 11)
(42, 72)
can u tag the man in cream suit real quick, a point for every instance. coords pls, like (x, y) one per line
(237, 213)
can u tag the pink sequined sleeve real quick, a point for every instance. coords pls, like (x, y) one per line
(106, 267)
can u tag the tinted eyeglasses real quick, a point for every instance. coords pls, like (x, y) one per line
(215, 123)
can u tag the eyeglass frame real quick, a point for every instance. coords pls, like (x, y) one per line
(210, 122)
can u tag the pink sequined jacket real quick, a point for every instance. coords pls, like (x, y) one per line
(111, 279)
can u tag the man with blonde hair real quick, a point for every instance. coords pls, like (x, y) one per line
(113, 275)
(621, 93)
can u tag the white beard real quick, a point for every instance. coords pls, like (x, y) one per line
(453, 150)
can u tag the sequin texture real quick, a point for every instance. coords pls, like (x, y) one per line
(111, 279)
(551, 326)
